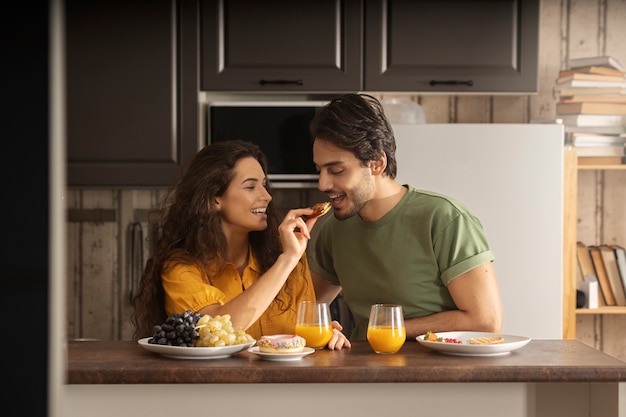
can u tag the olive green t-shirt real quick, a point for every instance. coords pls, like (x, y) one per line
(408, 257)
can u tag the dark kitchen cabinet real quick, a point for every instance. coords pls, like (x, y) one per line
(455, 46)
(132, 91)
(477, 46)
(277, 45)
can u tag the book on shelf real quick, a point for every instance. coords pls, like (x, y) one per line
(601, 160)
(592, 69)
(573, 91)
(620, 258)
(591, 83)
(591, 108)
(588, 272)
(603, 61)
(610, 264)
(606, 130)
(600, 98)
(595, 138)
(577, 76)
(602, 276)
(584, 151)
(593, 120)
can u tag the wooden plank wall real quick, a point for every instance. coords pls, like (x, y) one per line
(100, 221)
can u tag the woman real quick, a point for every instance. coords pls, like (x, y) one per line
(223, 251)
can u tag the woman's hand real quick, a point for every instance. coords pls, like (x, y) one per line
(294, 231)
(339, 340)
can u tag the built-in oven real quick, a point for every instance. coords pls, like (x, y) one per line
(279, 128)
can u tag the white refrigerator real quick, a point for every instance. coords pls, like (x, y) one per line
(511, 177)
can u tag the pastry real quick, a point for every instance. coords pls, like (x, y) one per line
(320, 210)
(281, 343)
(492, 340)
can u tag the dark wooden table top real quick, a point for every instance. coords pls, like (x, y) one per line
(125, 362)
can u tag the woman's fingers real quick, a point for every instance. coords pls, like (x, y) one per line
(294, 222)
(338, 341)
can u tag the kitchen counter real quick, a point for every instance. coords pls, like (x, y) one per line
(544, 378)
(125, 362)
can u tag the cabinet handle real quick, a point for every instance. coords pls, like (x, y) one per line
(468, 83)
(297, 82)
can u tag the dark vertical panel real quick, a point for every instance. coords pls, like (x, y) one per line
(24, 294)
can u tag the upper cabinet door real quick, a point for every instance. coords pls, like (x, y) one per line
(131, 120)
(475, 46)
(274, 45)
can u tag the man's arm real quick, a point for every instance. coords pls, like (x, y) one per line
(324, 290)
(477, 297)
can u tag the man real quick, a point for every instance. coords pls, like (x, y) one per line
(391, 243)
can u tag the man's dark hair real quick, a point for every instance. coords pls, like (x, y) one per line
(357, 123)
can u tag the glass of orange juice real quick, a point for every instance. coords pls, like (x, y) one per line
(313, 323)
(385, 331)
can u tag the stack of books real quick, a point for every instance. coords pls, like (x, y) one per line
(603, 266)
(592, 106)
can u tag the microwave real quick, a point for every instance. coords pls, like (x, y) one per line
(279, 128)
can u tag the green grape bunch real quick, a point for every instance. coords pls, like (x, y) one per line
(177, 330)
(218, 331)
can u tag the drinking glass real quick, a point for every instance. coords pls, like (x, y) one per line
(313, 323)
(385, 331)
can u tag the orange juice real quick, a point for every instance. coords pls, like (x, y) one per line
(386, 339)
(316, 335)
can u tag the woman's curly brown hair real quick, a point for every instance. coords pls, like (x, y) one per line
(191, 231)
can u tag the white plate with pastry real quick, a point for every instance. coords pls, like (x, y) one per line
(287, 356)
(180, 352)
(474, 343)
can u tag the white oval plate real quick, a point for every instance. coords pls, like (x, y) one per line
(281, 356)
(180, 352)
(510, 344)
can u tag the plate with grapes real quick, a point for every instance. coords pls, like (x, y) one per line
(181, 352)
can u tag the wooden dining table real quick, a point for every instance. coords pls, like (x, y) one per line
(543, 378)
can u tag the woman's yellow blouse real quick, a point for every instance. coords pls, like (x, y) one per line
(186, 288)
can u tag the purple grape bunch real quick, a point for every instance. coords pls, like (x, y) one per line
(177, 330)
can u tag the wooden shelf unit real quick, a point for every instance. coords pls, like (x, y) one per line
(598, 167)
(602, 310)
(570, 222)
